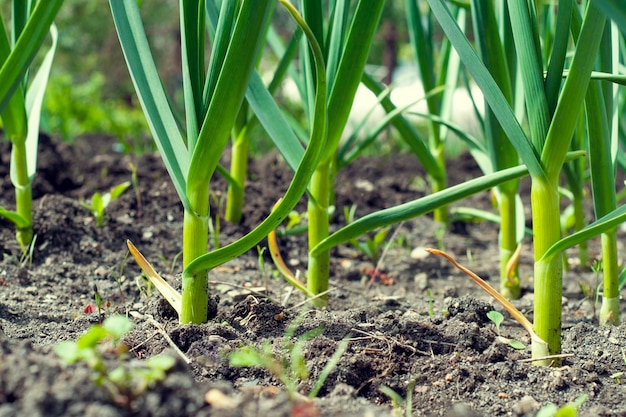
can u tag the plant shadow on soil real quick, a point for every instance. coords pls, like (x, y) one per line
(452, 357)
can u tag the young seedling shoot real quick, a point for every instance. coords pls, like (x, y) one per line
(99, 202)
(123, 382)
(497, 318)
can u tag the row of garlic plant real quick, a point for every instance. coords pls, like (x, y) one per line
(553, 107)
(331, 64)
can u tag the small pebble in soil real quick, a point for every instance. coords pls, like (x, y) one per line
(218, 400)
(527, 406)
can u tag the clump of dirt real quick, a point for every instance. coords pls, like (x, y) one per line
(421, 326)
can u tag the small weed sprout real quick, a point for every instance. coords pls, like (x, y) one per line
(144, 285)
(398, 402)
(99, 202)
(568, 410)
(617, 376)
(431, 311)
(497, 318)
(372, 245)
(592, 292)
(289, 367)
(123, 382)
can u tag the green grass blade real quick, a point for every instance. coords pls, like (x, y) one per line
(151, 95)
(408, 133)
(222, 28)
(336, 38)
(559, 52)
(273, 121)
(15, 218)
(417, 207)
(606, 223)
(494, 97)
(14, 116)
(529, 56)
(422, 51)
(20, 10)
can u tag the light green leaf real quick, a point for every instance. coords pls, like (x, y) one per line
(119, 189)
(417, 207)
(596, 228)
(496, 317)
(14, 217)
(34, 100)
(117, 325)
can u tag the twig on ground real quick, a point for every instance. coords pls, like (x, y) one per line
(160, 329)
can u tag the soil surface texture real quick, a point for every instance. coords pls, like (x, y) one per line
(416, 326)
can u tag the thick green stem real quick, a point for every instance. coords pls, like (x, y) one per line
(23, 194)
(509, 276)
(238, 172)
(549, 273)
(319, 264)
(609, 312)
(195, 293)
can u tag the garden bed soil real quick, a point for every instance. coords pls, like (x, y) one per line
(419, 325)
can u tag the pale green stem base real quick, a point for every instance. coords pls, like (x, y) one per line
(23, 195)
(195, 293)
(238, 171)
(319, 265)
(609, 312)
(548, 273)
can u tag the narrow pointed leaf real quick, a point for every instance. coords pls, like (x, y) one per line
(608, 222)
(34, 100)
(417, 207)
(151, 95)
(494, 97)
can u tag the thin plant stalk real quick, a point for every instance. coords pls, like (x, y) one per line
(501, 151)
(346, 63)
(599, 101)
(238, 173)
(433, 74)
(319, 264)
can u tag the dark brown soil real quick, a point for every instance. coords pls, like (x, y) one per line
(448, 353)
